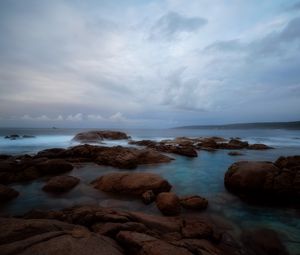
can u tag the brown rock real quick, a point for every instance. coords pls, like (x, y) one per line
(259, 146)
(138, 243)
(235, 153)
(168, 203)
(51, 237)
(148, 197)
(54, 166)
(195, 228)
(194, 202)
(131, 183)
(61, 183)
(7, 193)
(98, 136)
(288, 162)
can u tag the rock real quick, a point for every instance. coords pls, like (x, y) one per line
(131, 183)
(147, 143)
(28, 136)
(235, 153)
(98, 136)
(168, 203)
(234, 144)
(195, 228)
(61, 183)
(51, 153)
(51, 237)
(259, 146)
(288, 162)
(138, 243)
(54, 166)
(249, 176)
(194, 202)
(263, 242)
(208, 143)
(148, 197)
(264, 181)
(7, 193)
(12, 137)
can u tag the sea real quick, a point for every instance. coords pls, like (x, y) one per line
(203, 176)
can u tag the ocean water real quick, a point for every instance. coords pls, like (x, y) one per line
(203, 175)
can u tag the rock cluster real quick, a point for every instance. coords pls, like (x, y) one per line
(99, 135)
(188, 146)
(57, 161)
(266, 182)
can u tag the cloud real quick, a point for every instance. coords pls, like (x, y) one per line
(171, 24)
(75, 117)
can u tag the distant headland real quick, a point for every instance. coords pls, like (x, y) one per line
(255, 125)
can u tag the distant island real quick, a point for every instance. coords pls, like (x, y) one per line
(256, 125)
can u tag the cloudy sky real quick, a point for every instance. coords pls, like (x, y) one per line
(142, 63)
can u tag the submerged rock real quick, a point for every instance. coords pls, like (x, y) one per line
(7, 193)
(131, 183)
(99, 136)
(259, 146)
(168, 203)
(235, 153)
(61, 183)
(194, 202)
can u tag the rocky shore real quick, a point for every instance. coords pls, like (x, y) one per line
(180, 230)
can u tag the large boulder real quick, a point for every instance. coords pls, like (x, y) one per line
(265, 181)
(131, 183)
(194, 202)
(61, 183)
(7, 193)
(51, 237)
(168, 203)
(259, 146)
(99, 136)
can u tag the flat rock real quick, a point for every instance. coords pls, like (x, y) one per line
(131, 183)
(51, 237)
(61, 183)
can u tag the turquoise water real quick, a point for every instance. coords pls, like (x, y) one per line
(203, 175)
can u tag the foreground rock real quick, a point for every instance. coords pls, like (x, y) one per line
(99, 136)
(139, 233)
(52, 237)
(194, 202)
(168, 203)
(61, 183)
(7, 193)
(265, 181)
(131, 183)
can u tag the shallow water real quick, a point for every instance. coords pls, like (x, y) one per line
(203, 175)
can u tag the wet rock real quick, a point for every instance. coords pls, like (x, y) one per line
(168, 203)
(147, 143)
(194, 202)
(28, 136)
(139, 243)
(12, 137)
(195, 228)
(98, 136)
(148, 197)
(51, 153)
(61, 183)
(24, 237)
(265, 181)
(131, 183)
(235, 153)
(263, 242)
(7, 193)
(234, 144)
(54, 166)
(259, 146)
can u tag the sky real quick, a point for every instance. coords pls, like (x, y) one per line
(148, 64)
